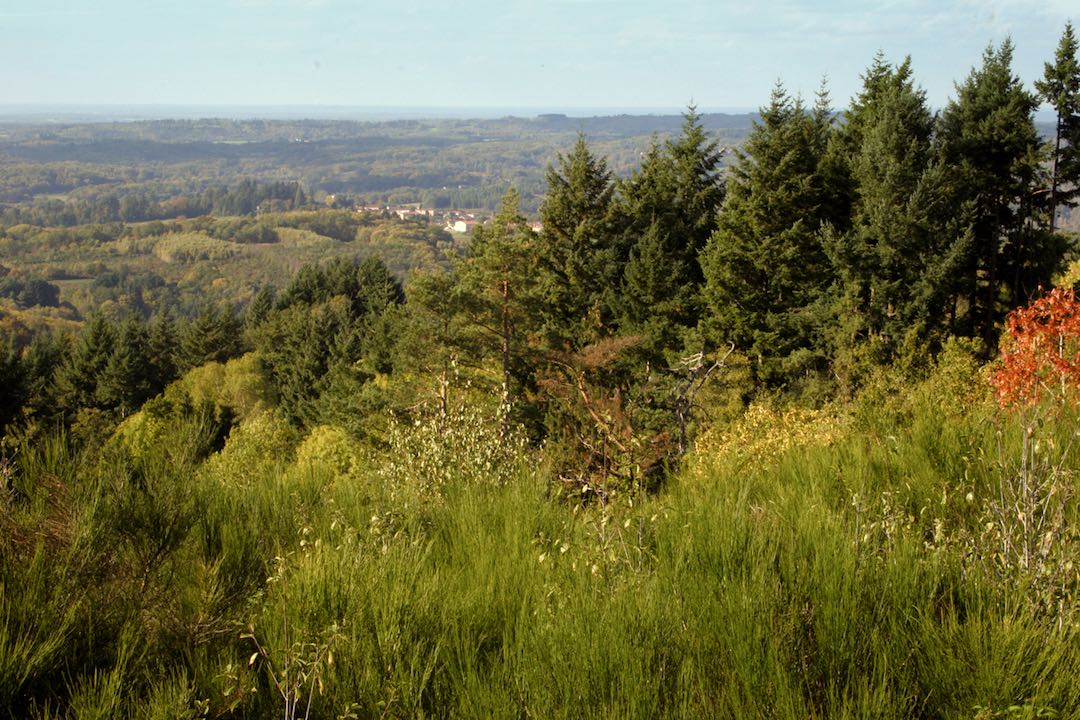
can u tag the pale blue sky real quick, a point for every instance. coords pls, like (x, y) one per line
(496, 53)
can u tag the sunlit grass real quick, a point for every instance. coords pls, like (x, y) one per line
(840, 570)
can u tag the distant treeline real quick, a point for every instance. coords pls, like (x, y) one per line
(442, 163)
(245, 198)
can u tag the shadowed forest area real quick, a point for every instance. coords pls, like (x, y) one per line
(764, 421)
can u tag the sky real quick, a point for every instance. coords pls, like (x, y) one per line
(556, 55)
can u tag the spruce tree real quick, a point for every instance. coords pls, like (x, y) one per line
(670, 204)
(161, 347)
(893, 263)
(766, 271)
(577, 256)
(260, 306)
(214, 335)
(12, 381)
(41, 361)
(1060, 87)
(332, 330)
(125, 383)
(658, 297)
(989, 145)
(78, 377)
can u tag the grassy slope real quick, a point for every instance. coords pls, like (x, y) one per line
(803, 564)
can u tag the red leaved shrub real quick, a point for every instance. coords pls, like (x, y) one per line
(1041, 353)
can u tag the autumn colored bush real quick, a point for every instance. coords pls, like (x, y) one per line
(1037, 381)
(1041, 354)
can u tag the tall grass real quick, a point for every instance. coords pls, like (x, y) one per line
(844, 575)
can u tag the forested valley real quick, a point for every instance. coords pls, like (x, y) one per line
(767, 420)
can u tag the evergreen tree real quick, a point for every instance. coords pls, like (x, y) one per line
(436, 337)
(766, 271)
(161, 349)
(302, 347)
(374, 288)
(988, 142)
(1060, 87)
(125, 383)
(41, 361)
(12, 381)
(669, 204)
(259, 308)
(657, 295)
(577, 257)
(214, 335)
(502, 294)
(78, 377)
(333, 329)
(892, 265)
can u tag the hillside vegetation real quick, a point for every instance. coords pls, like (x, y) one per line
(790, 439)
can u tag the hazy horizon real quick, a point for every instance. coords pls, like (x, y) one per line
(510, 54)
(49, 113)
(133, 112)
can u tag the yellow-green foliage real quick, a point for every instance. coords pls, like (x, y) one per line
(254, 448)
(1070, 277)
(330, 447)
(189, 247)
(470, 444)
(239, 385)
(296, 237)
(131, 245)
(764, 434)
(141, 432)
(809, 566)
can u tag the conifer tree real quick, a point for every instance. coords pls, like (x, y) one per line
(41, 361)
(1060, 87)
(578, 259)
(294, 346)
(892, 265)
(502, 293)
(12, 381)
(77, 379)
(988, 142)
(374, 288)
(436, 339)
(161, 347)
(330, 333)
(669, 204)
(658, 297)
(260, 306)
(765, 267)
(125, 384)
(214, 335)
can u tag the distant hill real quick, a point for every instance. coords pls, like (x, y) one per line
(438, 162)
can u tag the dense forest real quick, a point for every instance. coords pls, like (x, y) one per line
(785, 432)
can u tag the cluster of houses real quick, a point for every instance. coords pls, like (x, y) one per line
(460, 222)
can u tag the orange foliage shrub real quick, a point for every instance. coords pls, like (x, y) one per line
(1041, 355)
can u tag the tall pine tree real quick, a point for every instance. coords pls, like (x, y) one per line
(1060, 87)
(892, 265)
(766, 271)
(501, 294)
(989, 145)
(578, 258)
